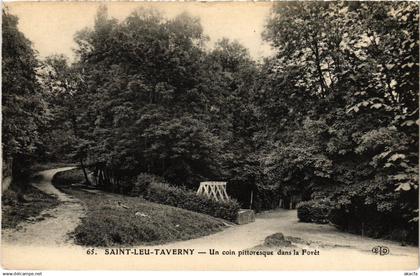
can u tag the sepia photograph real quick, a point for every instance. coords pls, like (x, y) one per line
(203, 136)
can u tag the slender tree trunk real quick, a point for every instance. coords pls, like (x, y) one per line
(84, 172)
(251, 199)
(100, 178)
(318, 67)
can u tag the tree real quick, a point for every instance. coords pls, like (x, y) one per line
(146, 112)
(24, 111)
(348, 68)
(63, 84)
(232, 78)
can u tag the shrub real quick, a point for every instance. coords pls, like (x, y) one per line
(154, 189)
(354, 214)
(183, 198)
(143, 182)
(316, 210)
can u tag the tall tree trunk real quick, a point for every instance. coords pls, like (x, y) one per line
(101, 178)
(322, 82)
(84, 172)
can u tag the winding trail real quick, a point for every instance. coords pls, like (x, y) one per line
(339, 250)
(336, 250)
(51, 227)
(56, 223)
(312, 235)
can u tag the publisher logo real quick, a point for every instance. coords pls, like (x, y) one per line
(380, 250)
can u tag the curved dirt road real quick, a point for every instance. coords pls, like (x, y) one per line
(63, 219)
(51, 227)
(338, 250)
(312, 235)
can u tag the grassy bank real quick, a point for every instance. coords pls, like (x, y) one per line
(16, 210)
(68, 178)
(155, 189)
(114, 220)
(50, 165)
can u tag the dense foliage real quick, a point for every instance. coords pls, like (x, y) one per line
(343, 119)
(180, 197)
(317, 211)
(24, 112)
(152, 99)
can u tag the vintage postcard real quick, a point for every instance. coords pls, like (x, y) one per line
(210, 136)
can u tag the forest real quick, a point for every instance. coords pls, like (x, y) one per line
(330, 120)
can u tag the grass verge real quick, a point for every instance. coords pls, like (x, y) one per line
(16, 209)
(68, 178)
(115, 220)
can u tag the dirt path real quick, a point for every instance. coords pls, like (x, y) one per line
(338, 250)
(58, 222)
(51, 227)
(323, 237)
